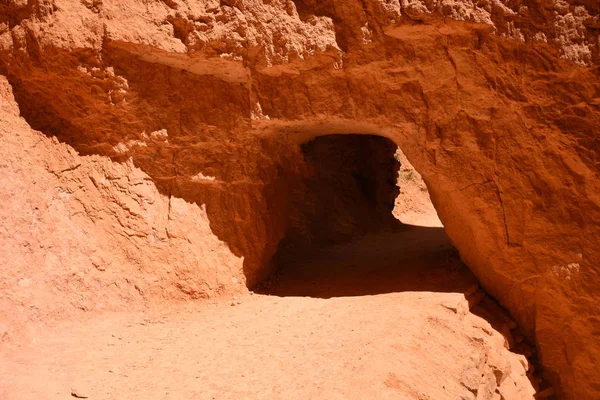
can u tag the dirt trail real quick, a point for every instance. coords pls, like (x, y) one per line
(414, 258)
(383, 321)
(413, 206)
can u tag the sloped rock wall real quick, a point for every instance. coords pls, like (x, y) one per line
(82, 233)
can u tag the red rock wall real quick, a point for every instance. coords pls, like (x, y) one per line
(497, 105)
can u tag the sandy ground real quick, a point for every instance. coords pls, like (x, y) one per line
(365, 320)
(413, 205)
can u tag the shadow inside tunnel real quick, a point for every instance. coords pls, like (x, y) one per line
(410, 258)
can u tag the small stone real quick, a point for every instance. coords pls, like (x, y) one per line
(78, 394)
(460, 307)
(98, 263)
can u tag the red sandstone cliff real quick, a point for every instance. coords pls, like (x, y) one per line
(201, 107)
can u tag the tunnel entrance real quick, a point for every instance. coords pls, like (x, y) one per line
(413, 205)
(349, 190)
(361, 222)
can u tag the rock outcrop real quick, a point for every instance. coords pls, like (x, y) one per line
(85, 233)
(205, 104)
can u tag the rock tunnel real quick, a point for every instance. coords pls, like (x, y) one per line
(349, 190)
(504, 132)
(492, 206)
(350, 228)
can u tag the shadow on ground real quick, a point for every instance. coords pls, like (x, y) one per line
(412, 258)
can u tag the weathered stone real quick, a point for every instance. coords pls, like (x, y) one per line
(497, 108)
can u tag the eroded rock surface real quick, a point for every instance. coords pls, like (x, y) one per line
(84, 233)
(497, 105)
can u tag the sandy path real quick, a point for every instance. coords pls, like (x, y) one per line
(354, 339)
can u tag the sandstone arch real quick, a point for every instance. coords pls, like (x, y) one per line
(504, 132)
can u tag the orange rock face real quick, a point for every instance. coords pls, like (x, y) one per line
(202, 108)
